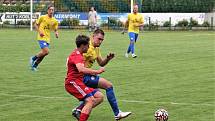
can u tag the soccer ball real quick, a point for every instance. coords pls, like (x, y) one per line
(161, 115)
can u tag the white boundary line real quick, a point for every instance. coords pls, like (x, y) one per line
(200, 35)
(127, 101)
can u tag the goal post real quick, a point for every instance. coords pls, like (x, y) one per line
(31, 15)
(132, 5)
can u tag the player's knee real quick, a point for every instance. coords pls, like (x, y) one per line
(91, 100)
(45, 52)
(109, 85)
(101, 98)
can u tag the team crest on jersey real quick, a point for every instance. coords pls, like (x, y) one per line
(92, 78)
(77, 52)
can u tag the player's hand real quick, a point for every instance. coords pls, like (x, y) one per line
(101, 70)
(41, 34)
(141, 25)
(110, 56)
(56, 34)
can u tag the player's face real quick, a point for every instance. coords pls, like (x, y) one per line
(51, 11)
(85, 48)
(135, 9)
(98, 39)
(92, 9)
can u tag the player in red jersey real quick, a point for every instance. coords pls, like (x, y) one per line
(74, 80)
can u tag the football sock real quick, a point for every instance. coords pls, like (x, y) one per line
(80, 107)
(35, 65)
(112, 100)
(34, 58)
(83, 117)
(129, 49)
(132, 48)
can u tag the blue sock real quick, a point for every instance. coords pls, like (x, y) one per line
(112, 100)
(129, 49)
(34, 58)
(132, 48)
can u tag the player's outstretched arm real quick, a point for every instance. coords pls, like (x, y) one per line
(125, 26)
(81, 68)
(102, 62)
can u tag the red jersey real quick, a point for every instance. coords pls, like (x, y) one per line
(72, 71)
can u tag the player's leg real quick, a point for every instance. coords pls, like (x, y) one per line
(94, 25)
(97, 82)
(85, 112)
(131, 45)
(35, 60)
(105, 84)
(98, 96)
(90, 102)
(40, 56)
(90, 25)
(91, 98)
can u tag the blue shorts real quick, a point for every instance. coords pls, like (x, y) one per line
(133, 36)
(43, 44)
(90, 94)
(91, 80)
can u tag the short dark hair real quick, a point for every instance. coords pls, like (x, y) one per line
(99, 31)
(82, 40)
(49, 6)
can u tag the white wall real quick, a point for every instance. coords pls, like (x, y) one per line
(208, 17)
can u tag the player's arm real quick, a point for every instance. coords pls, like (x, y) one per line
(81, 68)
(37, 25)
(126, 24)
(56, 30)
(102, 62)
(96, 17)
(141, 23)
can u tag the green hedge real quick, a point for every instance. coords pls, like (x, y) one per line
(14, 8)
(187, 6)
(70, 22)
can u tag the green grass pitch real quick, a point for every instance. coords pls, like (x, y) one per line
(173, 70)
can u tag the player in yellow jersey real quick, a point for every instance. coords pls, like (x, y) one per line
(134, 22)
(44, 25)
(94, 81)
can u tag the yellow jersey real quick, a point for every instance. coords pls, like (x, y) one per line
(46, 24)
(133, 20)
(91, 55)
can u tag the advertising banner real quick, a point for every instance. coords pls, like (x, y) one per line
(156, 18)
(12, 16)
